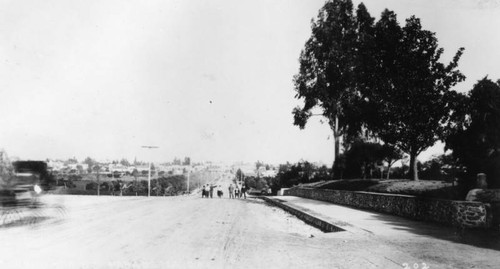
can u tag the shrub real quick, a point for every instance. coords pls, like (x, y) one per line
(91, 186)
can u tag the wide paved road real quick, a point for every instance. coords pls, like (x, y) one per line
(177, 232)
(186, 232)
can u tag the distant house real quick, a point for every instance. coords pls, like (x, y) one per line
(118, 168)
(55, 165)
(269, 173)
(142, 168)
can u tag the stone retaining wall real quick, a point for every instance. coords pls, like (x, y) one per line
(455, 213)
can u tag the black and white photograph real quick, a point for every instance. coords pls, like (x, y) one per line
(249, 134)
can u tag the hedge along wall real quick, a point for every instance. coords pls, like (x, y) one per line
(455, 213)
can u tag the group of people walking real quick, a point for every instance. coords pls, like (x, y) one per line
(207, 191)
(237, 190)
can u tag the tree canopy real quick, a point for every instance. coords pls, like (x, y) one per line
(410, 96)
(124, 162)
(376, 77)
(476, 144)
(326, 69)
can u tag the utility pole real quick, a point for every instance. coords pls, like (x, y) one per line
(149, 173)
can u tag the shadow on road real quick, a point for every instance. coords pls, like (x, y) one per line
(476, 237)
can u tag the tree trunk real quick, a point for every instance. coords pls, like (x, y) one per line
(413, 166)
(337, 147)
(388, 171)
(336, 135)
(334, 125)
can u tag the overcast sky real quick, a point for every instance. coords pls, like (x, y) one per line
(207, 79)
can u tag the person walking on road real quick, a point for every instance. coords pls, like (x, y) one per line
(237, 192)
(206, 189)
(231, 191)
(243, 190)
(212, 187)
(219, 191)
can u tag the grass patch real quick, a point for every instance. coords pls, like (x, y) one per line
(349, 185)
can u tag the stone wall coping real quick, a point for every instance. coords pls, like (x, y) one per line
(394, 194)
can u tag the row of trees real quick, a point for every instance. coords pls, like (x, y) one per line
(374, 160)
(363, 161)
(91, 162)
(290, 175)
(163, 186)
(380, 81)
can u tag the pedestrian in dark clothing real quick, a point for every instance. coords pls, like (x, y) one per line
(203, 194)
(244, 191)
(205, 191)
(219, 191)
(212, 187)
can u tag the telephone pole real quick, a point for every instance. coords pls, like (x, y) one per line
(149, 173)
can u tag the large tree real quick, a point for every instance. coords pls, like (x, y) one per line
(377, 77)
(326, 69)
(409, 93)
(124, 162)
(476, 144)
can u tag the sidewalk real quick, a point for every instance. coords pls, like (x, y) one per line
(432, 243)
(361, 221)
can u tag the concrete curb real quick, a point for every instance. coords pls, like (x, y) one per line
(319, 223)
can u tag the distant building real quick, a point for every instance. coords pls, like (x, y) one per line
(269, 173)
(117, 168)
